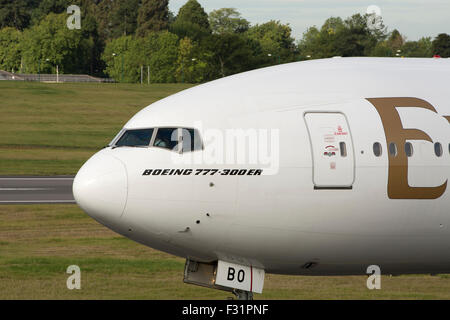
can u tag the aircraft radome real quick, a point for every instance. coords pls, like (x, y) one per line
(320, 167)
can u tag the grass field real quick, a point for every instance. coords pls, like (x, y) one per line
(48, 129)
(52, 129)
(38, 243)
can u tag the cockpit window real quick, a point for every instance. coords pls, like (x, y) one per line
(135, 138)
(191, 140)
(175, 139)
(167, 138)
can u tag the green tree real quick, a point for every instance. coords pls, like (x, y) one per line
(310, 43)
(192, 63)
(124, 17)
(101, 12)
(10, 53)
(125, 55)
(117, 18)
(395, 40)
(354, 36)
(330, 36)
(231, 54)
(171, 17)
(120, 60)
(275, 40)
(162, 54)
(227, 20)
(89, 26)
(191, 21)
(16, 13)
(50, 6)
(357, 38)
(422, 48)
(153, 15)
(391, 47)
(51, 43)
(89, 29)
(441, 45)
(382, 49)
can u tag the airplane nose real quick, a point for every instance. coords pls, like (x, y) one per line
(100, 187)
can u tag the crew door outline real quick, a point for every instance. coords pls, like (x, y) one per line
(339, 122)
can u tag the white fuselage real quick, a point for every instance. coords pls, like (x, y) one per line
(338, 215)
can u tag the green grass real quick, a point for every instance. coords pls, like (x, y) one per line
(52, 129)
(39, 242)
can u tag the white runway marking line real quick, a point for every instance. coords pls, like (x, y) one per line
(39, 201)
(25, 189)
(36, 179)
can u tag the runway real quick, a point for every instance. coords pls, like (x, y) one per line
(29, 190)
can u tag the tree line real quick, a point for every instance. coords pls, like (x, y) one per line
(126, 39)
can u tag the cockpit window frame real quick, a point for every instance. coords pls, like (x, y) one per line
(134, 129)
(199, 137)
(117, 137)
(153, 138)
(152, 142)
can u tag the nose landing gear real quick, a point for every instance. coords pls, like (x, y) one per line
(243, 295)
(225, 276)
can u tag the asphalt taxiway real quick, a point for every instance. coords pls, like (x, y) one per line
(29, 190)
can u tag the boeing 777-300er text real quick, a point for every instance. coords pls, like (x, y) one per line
(320, 167)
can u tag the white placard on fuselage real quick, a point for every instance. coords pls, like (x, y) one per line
(240, 277)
